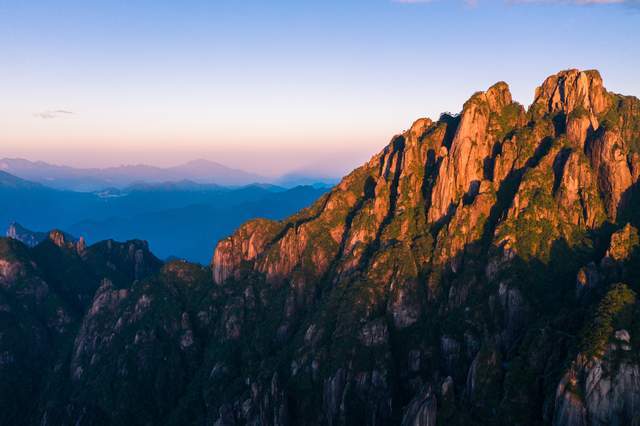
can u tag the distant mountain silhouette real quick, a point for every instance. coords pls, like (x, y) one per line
(10, 181)
(91, 179)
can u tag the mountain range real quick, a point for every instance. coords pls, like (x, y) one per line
(482, 269)
(178, 219)
(9, 181)
(95, 179)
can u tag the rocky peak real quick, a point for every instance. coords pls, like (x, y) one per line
(58, 238)
(81, 246)
(28, 237)
(622, 244)
(64, 240)
(608, 156)
(444, 178)
(498, 96)
(576, 100)
(418, 128)
(12, 230)
(572, 89)
(465, 165)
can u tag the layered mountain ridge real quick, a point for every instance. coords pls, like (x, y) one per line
(96, 179)
(178, 219)
(480, 269)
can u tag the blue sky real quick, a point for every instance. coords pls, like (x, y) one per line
(282, 85)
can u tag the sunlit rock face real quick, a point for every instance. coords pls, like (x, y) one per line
(480, 269)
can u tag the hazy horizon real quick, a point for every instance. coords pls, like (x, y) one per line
(280, 87)
(168, 165)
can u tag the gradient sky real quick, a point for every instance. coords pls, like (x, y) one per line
(276, 86)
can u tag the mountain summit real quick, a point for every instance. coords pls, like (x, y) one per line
(494, 176)
(443, 272)
(480, 269)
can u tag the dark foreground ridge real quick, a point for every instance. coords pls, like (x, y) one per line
(481, 269)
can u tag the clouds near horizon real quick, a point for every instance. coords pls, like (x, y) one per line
(49, 114)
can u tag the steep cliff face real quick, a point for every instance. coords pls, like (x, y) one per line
(434, 260)
(485, 117)
(480, 269)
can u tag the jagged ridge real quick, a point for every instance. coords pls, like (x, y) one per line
(440, 176)
(451, 210)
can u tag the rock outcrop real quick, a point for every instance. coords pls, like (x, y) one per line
(464, 167)
(602, 386)
(20, 233)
